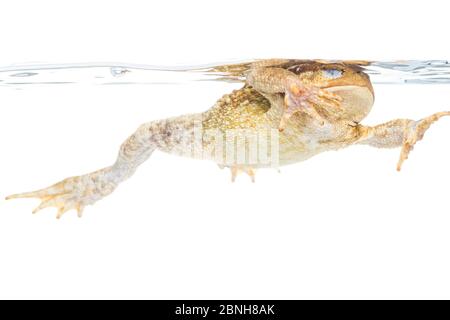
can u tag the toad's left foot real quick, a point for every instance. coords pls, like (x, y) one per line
(303, 98)
(73, 193)
(414, 132)
(236, 169)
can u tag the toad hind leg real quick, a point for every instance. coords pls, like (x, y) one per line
(399, 133)
(80, 191)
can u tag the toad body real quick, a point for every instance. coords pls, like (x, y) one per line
(287, 112)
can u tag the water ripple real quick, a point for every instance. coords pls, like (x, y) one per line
(381, 72)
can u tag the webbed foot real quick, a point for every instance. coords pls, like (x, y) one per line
(72, 193)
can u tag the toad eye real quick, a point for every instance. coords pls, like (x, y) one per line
(332, 73)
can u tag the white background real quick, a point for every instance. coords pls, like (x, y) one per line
(341, 225)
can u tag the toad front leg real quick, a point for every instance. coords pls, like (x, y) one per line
(298, 96)
(399, 133)
(78, 192)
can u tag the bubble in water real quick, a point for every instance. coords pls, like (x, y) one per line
(118, 71)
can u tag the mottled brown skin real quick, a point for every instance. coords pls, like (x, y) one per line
(302, 136)
(313, 106)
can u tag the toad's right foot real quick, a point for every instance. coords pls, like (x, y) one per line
(414, 132)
